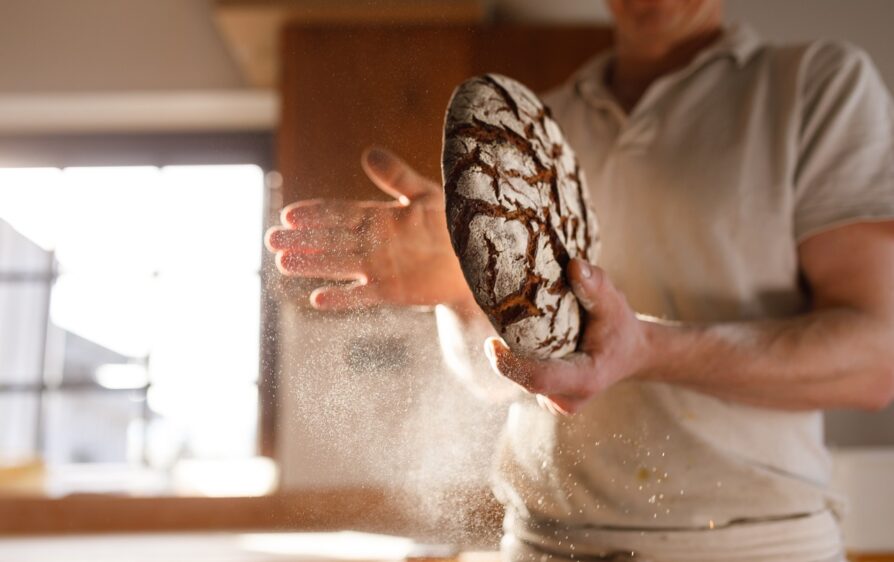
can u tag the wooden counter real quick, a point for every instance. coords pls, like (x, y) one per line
(363, 509)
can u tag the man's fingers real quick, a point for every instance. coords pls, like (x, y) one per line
(507, 364)
(322, 265)
(566, 405)
(394, 176)
(591, 286)
(281, 239)
(548, 405)
(560, 405)
(322, 213)
(358, 295)
(570, 376)
(330, 213)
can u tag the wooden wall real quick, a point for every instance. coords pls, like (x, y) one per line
(346, 87)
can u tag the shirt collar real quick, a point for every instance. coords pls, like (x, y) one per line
(739, 41)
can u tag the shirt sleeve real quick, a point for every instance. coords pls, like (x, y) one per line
(845, 168)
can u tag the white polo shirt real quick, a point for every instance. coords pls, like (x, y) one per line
(703, 193)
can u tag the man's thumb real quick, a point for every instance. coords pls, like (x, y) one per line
(394, 176)
(588, 282)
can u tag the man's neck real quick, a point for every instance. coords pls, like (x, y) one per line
(639, 63)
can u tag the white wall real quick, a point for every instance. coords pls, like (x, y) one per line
(106, 66)
(52, 46)
(866, 23)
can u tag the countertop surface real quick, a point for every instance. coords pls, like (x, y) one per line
(342, 546)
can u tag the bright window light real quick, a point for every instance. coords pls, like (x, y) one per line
(152, 295)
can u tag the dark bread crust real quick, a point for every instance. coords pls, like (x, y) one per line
(517, 212)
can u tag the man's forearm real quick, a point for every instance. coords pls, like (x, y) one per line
(837, 357)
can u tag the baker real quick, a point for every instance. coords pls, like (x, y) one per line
(745, 197)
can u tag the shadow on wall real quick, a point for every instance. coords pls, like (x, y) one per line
(845, 428)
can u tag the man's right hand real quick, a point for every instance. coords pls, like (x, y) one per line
(398, 252)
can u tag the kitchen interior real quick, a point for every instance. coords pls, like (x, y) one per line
(164, 393)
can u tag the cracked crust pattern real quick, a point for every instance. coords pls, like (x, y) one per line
(517, 212)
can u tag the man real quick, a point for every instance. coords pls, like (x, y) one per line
(745, 195)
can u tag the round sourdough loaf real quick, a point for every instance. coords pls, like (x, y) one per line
(517, 212)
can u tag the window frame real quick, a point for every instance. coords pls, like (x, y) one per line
(172, 149)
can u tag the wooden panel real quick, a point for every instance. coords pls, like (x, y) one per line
(251, 27)
(95, 513)
(374, 510)
(346, 87)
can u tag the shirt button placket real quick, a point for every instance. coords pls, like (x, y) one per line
(638, 132)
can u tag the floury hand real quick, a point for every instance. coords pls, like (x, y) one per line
(397, 252)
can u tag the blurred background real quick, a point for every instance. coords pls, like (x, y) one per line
(155, 372)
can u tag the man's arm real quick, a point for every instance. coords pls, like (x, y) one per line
(839, 355)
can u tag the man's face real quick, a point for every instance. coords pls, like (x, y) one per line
(662, 19)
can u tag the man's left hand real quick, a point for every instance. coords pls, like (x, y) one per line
(614, 346)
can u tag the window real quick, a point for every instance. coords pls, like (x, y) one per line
(130, 321)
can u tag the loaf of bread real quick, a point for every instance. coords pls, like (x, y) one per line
(517, 212)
